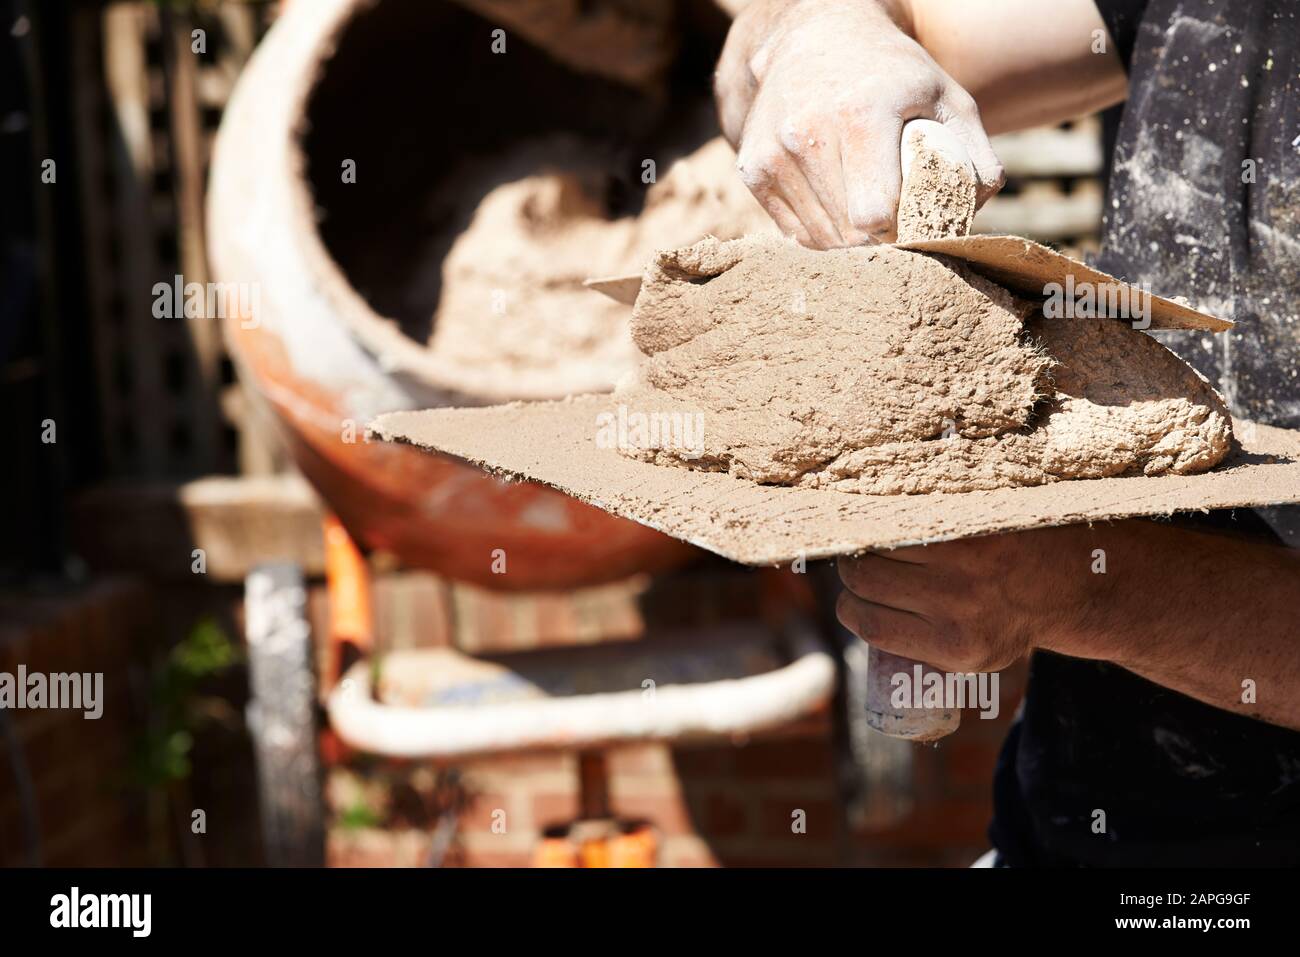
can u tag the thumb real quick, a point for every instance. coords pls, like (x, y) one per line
(962, 117)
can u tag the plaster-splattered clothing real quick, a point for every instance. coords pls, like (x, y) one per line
(1204, 201)
(1204, 196)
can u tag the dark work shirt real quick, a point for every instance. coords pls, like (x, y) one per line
(1203, 201)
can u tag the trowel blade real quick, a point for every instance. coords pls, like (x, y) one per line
(1018, 264)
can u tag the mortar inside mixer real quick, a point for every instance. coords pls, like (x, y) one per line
(488, 185)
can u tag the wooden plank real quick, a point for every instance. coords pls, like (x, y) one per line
(189, 164)
(1043, 212)
(101, 281)
(1052, 151)
(239, 24)
(260, 452)
(152, 529)
(137, 119)
(126, 79)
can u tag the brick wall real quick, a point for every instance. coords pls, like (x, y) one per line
(729, 804)
(717, 804)
(94, 808)
(76, 767)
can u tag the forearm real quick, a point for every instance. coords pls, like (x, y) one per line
(1026, 62)
(1214, 617)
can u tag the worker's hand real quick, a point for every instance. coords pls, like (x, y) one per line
(814, 95)
(984, 603)
(1204, 614)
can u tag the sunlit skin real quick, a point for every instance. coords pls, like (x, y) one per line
(813, 95)
(1197, 612)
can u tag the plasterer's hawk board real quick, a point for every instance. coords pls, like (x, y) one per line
(1023, 266)
(555, 443)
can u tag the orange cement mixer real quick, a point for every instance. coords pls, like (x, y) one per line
(400, 93)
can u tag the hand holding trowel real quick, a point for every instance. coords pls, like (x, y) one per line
(937, 202)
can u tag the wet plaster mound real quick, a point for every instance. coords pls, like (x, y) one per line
(511, 306)
(883, 371)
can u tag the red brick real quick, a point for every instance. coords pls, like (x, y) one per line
(13, 649)
(478, 816)
(485, 623)
(640, 760)
(717, 761)
(411, 610)
(969, 763)
(98, 840)
(822, 819)
(941, 826)
(686, 852)
(54, 744)
(13, 834)
(774, 861)
(35, 721)
(551, 621)
(554, 808)
(466, 858)
(54, 647)
(375, 848)
(536, 762)
(929, 771)
(786, 759)
(668, 813)
(62, 802)
(724, 816)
